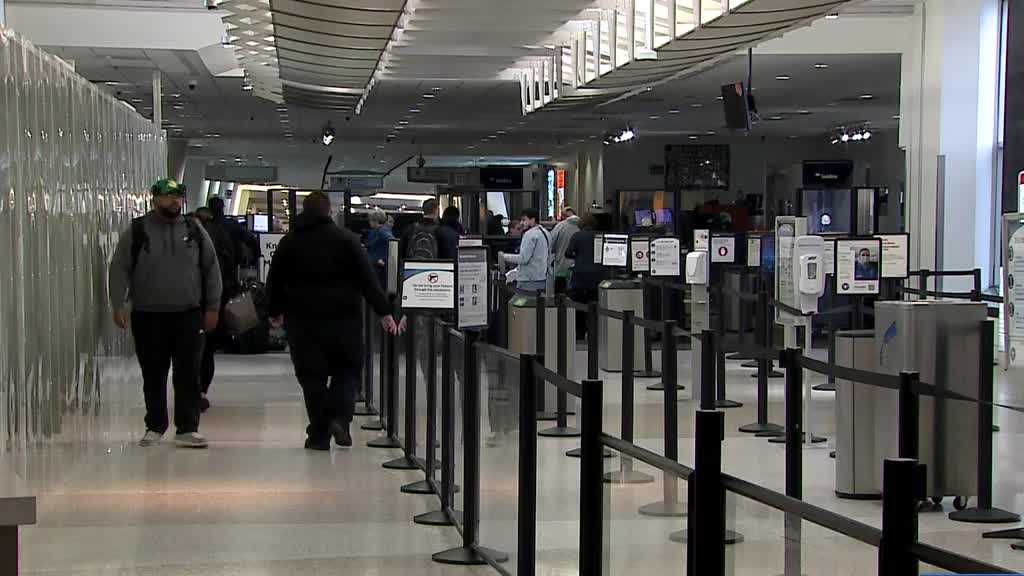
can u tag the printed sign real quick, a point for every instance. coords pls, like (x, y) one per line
(753, 252)
(787, 229)
(639, 253)
(723, 249)
(428, 285)
(598, 248)
(702, 240)
(665, 257)
(858, 265)
(830, 256)
(472, 280)
(895, 255)
(268, 245)
(1013, 273)
(616, 250)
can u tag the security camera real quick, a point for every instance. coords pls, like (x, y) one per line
(211, 4)
(192, 84)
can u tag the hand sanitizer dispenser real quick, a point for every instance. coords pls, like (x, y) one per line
(697, 267)
(808, 266)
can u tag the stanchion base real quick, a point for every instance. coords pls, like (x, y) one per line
(772, 374)
(751, 364)
(437, 518)
(374, 425)
(1011, 534)
(363, 410)
(771, 433)
(782, 439)
(422, 463)
(560, 432)
(403, 463)
(731, 537)
(421, 487)
(463, 556)
(546, 416)
(384, 442)
(726, 403)
(659, 387)
(984, 516)
(853, 496)
(578, 453)
(627, 477)
(647, 374)
(758, 428)
(664, 509)
(825, 387)
(739, 356)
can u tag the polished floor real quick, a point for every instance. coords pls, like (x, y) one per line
(257, 503)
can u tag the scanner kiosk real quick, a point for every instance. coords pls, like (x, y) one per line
(619, 294)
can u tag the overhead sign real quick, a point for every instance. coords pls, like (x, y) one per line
(895, 255)
(723, 249)
(501, 178)
(858, 265)
(268, 246)
(616, 250)
(472, 282)
(639, 254)
(665, 257)
(428, 285)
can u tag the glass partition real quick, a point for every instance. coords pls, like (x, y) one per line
(711, 9)
(686, 18)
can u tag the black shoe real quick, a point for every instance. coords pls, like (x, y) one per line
(318, 445)
(341, 434)
(204, 404)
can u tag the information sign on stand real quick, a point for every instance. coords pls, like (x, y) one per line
(268, 245)
(639, 254)
(723, 249)
(428, 285)
(702, 240)
(392, 287)
(858, 265)
(753, 252)
(1013, 275)
(472, 287)
(598, 248)
(665, 257)
(616, 250)
(830, 256)
(895, 255)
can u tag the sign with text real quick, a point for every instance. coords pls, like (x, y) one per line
(723, 249)
(753, 252)
(858, 265)
(428, 285)
(472, 281)
(702, 240)
(639, 253)
(665, 257)
(616, 250)
(895, 255)
(268, 245)
(598, 248)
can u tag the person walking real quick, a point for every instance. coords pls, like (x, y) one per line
(377, 242)
(532, 259)
(560, 237)
(247, 244)
(226, 248)
(165, 283)
(318, 273)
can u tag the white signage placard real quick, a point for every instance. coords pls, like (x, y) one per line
(665, 257)
(598, 248)
(428, 285)
(858, 265)
(268, 245)
(723, 249)
(895, 255)
(702, 240)
(753, 252)
(830, 256)
(639, 254)
(787, 228)
(392, 287)
(616, 250)
(470, 241)
(1013, 275)
(472, 280)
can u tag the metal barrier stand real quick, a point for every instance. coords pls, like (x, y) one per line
(561, 428)
(669, 506)
(625, 474)
(408, 461)
(379, 423)
(364, 397)
(541, 350)
(762, 427)
(430, 463)
(389, 396)
(446, 516)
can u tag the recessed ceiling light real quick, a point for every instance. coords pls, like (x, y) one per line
(718, 98)
(832, 16)
(655, 117)
(403, 122)
(649, 88)
(436, 88)
(501, 132)
(895, 116)
(804, 112)
(710, 132)
(692, 137)
(821, 65)
(391, 135)
(776, 117)
(428, 95)
(782, 77)
(673, 111)
(414, 110)
(380, 146)
(696, 105)
(866, 96)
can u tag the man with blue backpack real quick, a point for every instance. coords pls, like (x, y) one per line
(165, 283)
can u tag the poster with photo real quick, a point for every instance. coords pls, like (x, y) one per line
(1013, 273)
(858, 265)
(472, 283)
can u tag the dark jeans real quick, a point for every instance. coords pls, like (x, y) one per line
(163, 339)
(325, 403)
(211, 343)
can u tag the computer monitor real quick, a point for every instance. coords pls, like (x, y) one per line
(261, 223)
(643, 218)
(663, 216)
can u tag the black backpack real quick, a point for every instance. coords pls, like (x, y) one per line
(422, 243)
(227, 257)
(140, 240)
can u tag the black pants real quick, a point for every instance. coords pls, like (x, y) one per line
(213, 342)
(163, 339)
(327, 401)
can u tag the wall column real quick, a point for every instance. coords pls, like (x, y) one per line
(589, 177)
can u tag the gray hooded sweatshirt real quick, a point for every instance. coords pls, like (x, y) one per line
(168, 275)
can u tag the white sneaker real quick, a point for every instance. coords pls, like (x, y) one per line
(151, 438)
(191, 440)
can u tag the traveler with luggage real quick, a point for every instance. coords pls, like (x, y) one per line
(318, 274)
(165, 282)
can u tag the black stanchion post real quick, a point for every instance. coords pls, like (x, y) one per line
(794, 457)
(976, 290)
(591, 488)
(721, 401)
(984, 512)
(909, 411)
(648, 370)
(669, 506)
(561, 428)
(923, 285)
(389, 396)
(540, 315)
(364, 401)
(709, 496)
(408, 461)
(430, 462)
(470, 553)
(379, 423)
(902, 488)
(625, 474)
(446, 516)
(762, 427)
(527, 505)
(592, 341)
(707, 370)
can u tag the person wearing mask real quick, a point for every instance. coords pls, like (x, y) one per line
(586, 275)
(165, 283)
(377, 242)
(318, 274)
(560, 237)
(532, 259)
(227, 259)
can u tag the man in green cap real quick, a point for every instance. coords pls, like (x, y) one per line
(165, 283)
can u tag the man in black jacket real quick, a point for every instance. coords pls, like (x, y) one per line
(318, 274)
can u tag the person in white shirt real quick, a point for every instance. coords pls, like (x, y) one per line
(532, 259)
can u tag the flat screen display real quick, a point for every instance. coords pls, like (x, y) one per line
(768, 252)
(643, 218)
(663, 216)
(261, 223)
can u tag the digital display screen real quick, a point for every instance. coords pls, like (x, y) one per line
(643, 218)
(663, 216)
(768, 252)
(261, 223)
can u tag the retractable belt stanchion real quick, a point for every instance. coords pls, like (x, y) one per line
(627, 375)
(540, 316)
(382, 343)
(408, 461)
(625, 474)
(447, 490)
(364, 403)
(794, 457)
(389, 396)
(648, 371)
(762, 426)
(807, 435)
(666, 303)
(720, 399)
(561, 428)
(430, 463)
(527, 503)
(709, 496)
(902, 483)
(669, 506)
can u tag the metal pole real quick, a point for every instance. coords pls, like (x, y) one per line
(794, 457)
(592, 341)
(909, 411)
(709, 502)
(762, 427)
(561, 428)
(430, 462)
(447, 492)
(591, 488)
(625, 474)
(707, 370)
(721, 400)
(527, 505)
(389, 396)
(540, 314)
(408, 460)
(902, 487)
(669, 506)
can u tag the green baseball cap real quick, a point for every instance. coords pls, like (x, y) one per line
(168, 186)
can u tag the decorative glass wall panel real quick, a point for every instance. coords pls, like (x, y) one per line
(686, 18)
(75, 167)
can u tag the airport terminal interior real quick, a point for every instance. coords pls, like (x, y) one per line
(702, 287)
